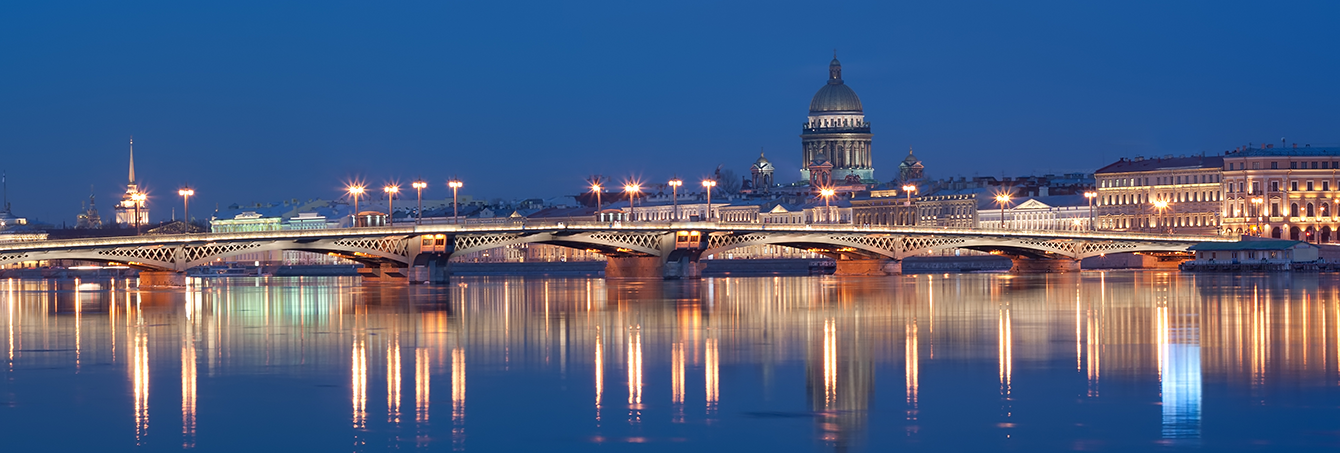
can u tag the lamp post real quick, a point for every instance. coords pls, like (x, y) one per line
(1002, 199)
(908, 189)
(674, 191)
(419, 185)
(1258, 201)
(355, 191)
(390, 190)
(827, 193)
(1091, 195)
(632, 190)
(1160, 205)
(186, 195)
(138, 198)
(595, 187)
(455, 185)
(709, 184)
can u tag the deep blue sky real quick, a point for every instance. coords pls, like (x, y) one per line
(253, 101)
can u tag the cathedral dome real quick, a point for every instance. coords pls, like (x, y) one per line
(835, 96)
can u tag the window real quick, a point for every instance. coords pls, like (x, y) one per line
(1310, 212)
(1325, 186)
(1274, 209)
(1293, 210)
(1274, 165)
(1293, 185)
(1314, 165)
(1325, 209)
(1309, 186)
(1293, 164)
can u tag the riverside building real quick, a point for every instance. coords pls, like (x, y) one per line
(1282, 192)
(1169, 194)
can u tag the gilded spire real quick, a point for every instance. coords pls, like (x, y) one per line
(132, 159)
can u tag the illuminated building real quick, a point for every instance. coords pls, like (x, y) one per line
(836, 135)
(1286, 193)
(1129, 189)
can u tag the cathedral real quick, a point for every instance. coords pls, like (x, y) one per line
(836, 138)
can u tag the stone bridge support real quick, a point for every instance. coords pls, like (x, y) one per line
(869, 266)
(162, 279)
(1027, 265)
(384, 272)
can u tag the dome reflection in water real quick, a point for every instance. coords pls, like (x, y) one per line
(1096, 360)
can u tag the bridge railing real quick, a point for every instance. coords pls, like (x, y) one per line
(415, 230)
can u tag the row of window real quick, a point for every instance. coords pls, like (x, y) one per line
(1292, 165)
(1309, 210)
(1154, 222)
(1160, 180)
(1178, 197)
(1275, 186)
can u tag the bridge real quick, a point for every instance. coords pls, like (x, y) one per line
(669, 250)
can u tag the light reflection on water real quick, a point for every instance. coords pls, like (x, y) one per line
(1111, 360)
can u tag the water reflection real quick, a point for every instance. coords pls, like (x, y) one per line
(773, 354)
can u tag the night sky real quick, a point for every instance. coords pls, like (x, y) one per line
(256, 101)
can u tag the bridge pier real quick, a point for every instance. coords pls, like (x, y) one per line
(631, 267)
(383, 272)
(880, 266)
(432, 271)
(162, 279)
(1024, 265)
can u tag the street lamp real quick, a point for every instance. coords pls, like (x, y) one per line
(390, 190)
(1258, 201)
(827, 193)
(355, 191)
(455, 185)
(138, 198)
(709, 184)
(674, 189)
(595, 187)
(632, 190)
(1002, 199)
(1161, 205)
(186, 195)
(1091, 195)
(908, 189)
(418, 187)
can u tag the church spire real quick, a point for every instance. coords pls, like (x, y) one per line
(132, 159)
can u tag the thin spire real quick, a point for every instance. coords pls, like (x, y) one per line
(132, 159)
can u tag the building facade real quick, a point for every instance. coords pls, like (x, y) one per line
(1062, 212)
(1288, 193)
(837, 132)
(1165, 195)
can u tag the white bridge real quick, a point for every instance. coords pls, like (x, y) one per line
(640, 249)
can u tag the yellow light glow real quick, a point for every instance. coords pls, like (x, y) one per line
(391, 189)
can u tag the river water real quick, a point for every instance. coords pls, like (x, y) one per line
(1099, 361)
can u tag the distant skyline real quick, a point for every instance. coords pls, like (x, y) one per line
(255, 102)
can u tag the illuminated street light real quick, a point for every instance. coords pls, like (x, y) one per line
(1003, 199)
(674, 189)
(1091, 195)
(390, 190)
(908, 189)
(1258, 201)
(827, 193)
(419, 185)
(355, 191)
(709, 184)
(632, 190)
(138, 198)
(455, 185)
(595, 187)
(186, 195)
(1161, 205)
